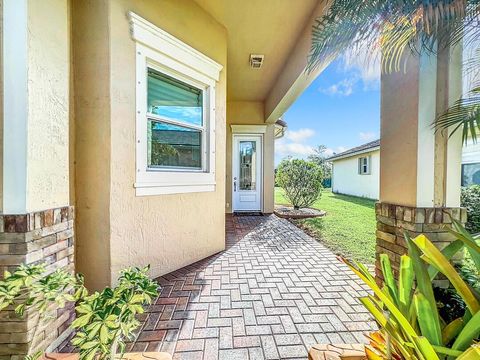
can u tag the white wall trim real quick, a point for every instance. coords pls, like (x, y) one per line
(249, 129)
(15, 106)
(159, 50)
(355, 154)
(426, 135)
(152, 36)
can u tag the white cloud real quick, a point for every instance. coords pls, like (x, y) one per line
(365, 62)
(367, 136)
(300, 135)
(284, 149)
(344, 87)
(337, 150)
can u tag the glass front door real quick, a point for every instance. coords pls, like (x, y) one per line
(247, 172)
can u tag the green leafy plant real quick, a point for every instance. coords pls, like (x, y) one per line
(406, 309)
(301, 180)
(470, 199)
(320, 158)
(29, 289)
(106, 319)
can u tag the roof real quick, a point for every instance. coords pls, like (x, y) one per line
(373, 145)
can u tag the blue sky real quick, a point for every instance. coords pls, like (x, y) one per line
(340, 109)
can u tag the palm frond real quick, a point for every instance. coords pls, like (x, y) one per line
(464, 115)
(394, 26)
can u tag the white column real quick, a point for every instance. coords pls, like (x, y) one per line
(14, 106)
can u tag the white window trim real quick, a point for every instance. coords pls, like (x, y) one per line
(161, 51)
(360, 165)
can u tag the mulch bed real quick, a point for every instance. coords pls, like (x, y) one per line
(288, 212)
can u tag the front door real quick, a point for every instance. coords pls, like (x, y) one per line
(247, 173)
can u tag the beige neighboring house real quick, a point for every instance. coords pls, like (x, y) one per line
(357, 171)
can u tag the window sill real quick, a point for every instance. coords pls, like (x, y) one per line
(147, 189)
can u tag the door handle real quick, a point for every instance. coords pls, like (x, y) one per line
(235, 186)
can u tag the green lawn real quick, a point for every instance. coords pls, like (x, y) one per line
(348, 228)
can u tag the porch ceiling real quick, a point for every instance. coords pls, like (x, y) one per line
(269, 27)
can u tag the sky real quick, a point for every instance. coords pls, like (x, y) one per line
(340, 109)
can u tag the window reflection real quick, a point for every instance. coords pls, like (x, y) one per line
(248, 158)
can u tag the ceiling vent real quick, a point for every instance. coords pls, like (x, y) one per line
(256, 61)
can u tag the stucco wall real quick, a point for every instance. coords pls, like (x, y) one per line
(347, 180)
(251, 113)
(115, 228)
(168, 231)
(92, 139)
(48, 104)
(399, 140)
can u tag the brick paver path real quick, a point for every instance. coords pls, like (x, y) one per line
(272, 294)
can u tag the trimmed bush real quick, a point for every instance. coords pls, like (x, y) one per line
(471, 201)
(301, 180)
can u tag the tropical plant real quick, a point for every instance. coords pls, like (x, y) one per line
(400, 29)
(470, 199)
(320, 158)
(106, 319)
(28, 289)
(301, 180)
(406, 309)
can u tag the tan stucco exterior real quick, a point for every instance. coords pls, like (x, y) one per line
(48, 104)
(251, 113)
(32, 180)
(398, 141)
(115, 227)
(418, 166)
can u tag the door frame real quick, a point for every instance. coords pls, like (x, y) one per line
(249, 130)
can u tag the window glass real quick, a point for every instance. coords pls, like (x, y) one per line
(470, 174)
(363, 166)
(174, 99)
(248, 165)
(176, 132)
(174, 146)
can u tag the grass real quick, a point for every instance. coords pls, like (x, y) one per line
(348, 229)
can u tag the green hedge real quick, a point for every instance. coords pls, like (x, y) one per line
(471, 201)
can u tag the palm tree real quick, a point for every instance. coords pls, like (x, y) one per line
(401, 27)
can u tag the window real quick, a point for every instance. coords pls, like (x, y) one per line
(176, 127)
(175, 118)
(470, 174)
(364, 165)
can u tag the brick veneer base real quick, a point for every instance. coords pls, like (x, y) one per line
(39, 237)
(394, 220)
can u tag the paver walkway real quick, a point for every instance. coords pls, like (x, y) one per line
(272, 294)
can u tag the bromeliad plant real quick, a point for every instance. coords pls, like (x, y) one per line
(106, 319)
(406, 310)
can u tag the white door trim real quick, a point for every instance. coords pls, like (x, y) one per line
(261, 172)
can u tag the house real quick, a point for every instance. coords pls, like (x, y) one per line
(129, 128)
(357, 171)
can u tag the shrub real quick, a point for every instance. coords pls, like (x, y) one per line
(301, 180)
(105, 320)
(471, 201)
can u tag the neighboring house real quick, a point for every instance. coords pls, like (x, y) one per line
(357, 171)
